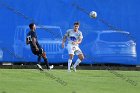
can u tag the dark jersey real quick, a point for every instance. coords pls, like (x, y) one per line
(29, 37)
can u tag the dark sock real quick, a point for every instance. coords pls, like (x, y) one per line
(46, 63)
(39, 59)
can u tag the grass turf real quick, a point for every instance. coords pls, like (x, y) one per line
(60, 81)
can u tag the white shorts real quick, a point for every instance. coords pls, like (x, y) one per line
(72, 49)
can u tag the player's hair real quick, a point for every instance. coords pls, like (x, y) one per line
(31, 25)
(76, 23)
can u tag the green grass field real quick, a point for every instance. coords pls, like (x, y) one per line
(60, 81)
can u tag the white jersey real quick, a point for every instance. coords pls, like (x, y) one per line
(73, 36)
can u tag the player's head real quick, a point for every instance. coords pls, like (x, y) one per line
(76, 26)
(32, 26)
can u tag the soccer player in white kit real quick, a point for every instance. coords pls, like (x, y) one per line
(74, 37)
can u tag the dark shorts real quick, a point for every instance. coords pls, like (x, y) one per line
(37, 52)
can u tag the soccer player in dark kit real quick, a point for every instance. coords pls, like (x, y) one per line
(35, 47)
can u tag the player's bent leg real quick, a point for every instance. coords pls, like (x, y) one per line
(39, 58)
(46, 61)
(78, 61)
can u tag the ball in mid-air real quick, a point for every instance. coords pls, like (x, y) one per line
(93, 14)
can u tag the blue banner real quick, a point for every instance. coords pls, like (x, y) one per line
(111, 37)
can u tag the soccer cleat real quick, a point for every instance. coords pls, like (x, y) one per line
(73, 68)
(40, 67)
(51, 67)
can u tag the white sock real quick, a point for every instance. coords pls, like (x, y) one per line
(69, 63)
(77, 62)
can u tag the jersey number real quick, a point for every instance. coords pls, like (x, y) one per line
(28, 38)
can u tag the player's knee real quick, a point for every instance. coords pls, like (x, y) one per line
(71, 57)
(44, 55)
(81, 57)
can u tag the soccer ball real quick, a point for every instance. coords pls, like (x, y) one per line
(93, 14)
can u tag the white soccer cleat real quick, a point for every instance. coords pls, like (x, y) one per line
(40, 67)
(51, 67)
(73, 68)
